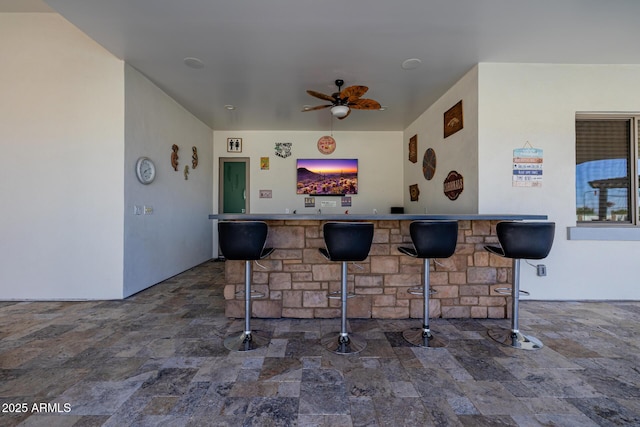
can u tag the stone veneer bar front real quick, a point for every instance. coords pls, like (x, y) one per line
(296, 279)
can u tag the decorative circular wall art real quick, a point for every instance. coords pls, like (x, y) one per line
(326, 144)
(429, 164)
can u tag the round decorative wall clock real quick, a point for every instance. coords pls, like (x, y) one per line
(326, 145)
(145, 170)
(429, 164)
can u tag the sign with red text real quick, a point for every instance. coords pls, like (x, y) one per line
(453, 185)
(527, 167)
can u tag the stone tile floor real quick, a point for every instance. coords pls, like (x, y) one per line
(158, 358)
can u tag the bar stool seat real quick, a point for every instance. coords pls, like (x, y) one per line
(245, 240)
(346, 241)
(520, 240)
(431, 239)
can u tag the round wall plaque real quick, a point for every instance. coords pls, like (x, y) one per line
(453, 185)
(429, 164)
(326, 144)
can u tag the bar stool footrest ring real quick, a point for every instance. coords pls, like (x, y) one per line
(254, 294)
(338, 295)
(419, 290)
(507, 291)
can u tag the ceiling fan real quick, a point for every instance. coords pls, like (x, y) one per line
(344, 100)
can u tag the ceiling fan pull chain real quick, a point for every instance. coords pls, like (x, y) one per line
(331, 124)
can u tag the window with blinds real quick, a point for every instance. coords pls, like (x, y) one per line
(605, 164)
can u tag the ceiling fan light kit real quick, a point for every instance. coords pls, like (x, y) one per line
(339, 111)
(343, 101)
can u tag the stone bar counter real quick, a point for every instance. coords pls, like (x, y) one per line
(296, 278)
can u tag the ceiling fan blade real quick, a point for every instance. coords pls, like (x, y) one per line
(319, 107)
(346, 115)
(353, 92)
(321, 95)
(365, 104)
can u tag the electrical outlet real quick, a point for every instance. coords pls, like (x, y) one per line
(137, 210)
(542, 269)
(148, 210)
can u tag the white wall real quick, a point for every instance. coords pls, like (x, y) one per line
(379, 180)
(378, 153)
(177, 235)
(457, 152)
(538, 103)
(62, 144)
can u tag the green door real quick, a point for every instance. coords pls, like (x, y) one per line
(235, 187)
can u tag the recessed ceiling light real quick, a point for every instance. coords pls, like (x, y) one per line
(306, 107)
(382, 108)
(229, 107)
(411, 64)
(193, 62)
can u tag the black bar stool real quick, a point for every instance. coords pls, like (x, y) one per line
(346, 241)
(431, 239)
(245, 240)
(520, 240)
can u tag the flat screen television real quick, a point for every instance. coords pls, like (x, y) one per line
(327, 177)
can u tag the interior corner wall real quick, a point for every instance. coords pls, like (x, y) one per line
(537, 104)
(457, 152)
(62, 143)
(176, 235)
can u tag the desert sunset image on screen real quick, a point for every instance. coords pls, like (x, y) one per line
(327, 177)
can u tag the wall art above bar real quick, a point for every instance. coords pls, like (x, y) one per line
(453, 120)
(453, 185)
(327, 177)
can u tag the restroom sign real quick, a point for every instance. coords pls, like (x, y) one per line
(527, 167)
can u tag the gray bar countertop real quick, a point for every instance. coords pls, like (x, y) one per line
(376, 217)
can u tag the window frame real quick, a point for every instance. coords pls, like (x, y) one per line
(634, 187)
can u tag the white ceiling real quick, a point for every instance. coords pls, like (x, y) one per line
(261, 55)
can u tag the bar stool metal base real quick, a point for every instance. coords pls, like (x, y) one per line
(246, 341)
(347, 344)
(515, 339)
(423, 338)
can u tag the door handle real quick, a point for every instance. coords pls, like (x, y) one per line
(244, 194)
